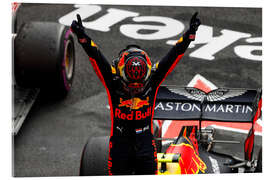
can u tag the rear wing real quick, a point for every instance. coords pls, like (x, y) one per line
(189, 103)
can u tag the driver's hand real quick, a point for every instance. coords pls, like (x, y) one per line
(77, 27)
(193, 25)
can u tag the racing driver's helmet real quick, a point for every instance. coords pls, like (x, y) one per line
(134, 68)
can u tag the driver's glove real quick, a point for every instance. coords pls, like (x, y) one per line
(193, 26)
(77, 28)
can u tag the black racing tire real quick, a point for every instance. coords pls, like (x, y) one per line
(45, 57)
(259, 162)
(94, 159)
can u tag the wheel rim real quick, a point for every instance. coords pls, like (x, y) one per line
(69, 60)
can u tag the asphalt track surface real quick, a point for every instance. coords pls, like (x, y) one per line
(53, 135)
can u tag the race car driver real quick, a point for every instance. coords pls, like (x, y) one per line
(132, 83)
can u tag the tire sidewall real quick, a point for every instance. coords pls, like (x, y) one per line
(65, 83)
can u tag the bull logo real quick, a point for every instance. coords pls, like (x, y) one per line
(134, 103)
(190, 162)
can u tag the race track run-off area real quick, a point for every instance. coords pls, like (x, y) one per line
(227, 52)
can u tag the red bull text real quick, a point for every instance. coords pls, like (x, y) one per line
(133, 115)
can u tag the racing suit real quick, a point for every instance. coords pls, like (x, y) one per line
(132, 148)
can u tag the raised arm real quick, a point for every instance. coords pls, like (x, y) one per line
(100, 64)
(168, 62)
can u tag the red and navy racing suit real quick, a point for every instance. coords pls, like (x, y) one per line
(132, 148)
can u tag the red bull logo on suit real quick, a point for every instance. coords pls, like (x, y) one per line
(134, 103)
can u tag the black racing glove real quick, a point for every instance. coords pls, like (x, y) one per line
(77, 27)
(193, 26)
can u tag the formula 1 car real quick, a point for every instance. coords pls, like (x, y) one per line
(43, 58)
(197, 143)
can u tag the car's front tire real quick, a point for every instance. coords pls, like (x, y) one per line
(45, 57)
(94, 160)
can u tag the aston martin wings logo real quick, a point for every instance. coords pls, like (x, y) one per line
(199, 95)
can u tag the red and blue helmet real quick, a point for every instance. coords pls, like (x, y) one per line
(134, 67)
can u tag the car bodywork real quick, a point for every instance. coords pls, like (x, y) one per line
(188, 145)
(197, 129)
